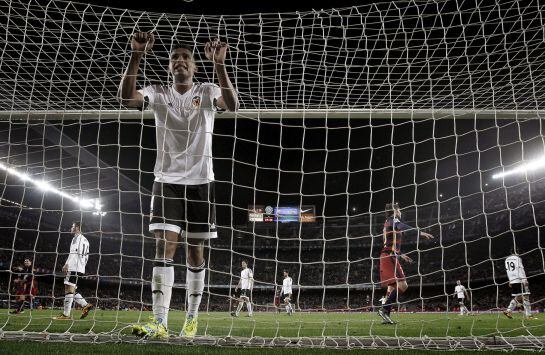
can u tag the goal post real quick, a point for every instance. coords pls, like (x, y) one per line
(437, 105)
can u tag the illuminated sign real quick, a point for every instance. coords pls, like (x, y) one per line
(282, 214)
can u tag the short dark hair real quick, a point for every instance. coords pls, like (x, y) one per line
(244, 261)
(78, 224)
(389, 209)
(287, 272)
(181, 45)
(27, 258)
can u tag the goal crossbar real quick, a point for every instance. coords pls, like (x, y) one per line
(281, 114)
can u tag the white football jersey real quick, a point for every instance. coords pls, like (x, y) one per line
(515, 269)
(460, 291)
(246, 279)
(286, 286)
(183, 128)
(79, 254)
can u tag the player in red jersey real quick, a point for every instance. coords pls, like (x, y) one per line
(391, 272)
(28, 287)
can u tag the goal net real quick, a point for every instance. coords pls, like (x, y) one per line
(436, 105)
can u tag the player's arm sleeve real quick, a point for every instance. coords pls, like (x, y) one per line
(403, 226)
(86, 253)
(148, 93)
(215, 96)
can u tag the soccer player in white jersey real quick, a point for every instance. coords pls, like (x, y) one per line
(461, 293)
(519, 284)
(74, 268)
(246, 283)
(287, 292)
(182, 204)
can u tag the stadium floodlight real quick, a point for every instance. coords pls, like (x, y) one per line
(524, 168)
(42, 185)
(85, 204)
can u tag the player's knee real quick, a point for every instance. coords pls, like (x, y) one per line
(402, 286)
(195, 266)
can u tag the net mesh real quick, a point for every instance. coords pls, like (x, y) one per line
(344, 110)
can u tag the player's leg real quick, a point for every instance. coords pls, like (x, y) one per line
(512, 305)
(240, 303)
(249, 305)
(69, 290)
(400, 287)
(167, 209)
(290, 306)
(388, 281)
(201, 226)
(20, 305)
(195, 277)
(463, 309)
(166, 243)
(527, 306)
(86, 306)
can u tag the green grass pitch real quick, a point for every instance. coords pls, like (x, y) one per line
(269, 325)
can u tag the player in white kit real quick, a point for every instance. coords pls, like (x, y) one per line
(74, 268)
(461, 293)
(287, 292)
(182, 203)
(246, 283)
(519, 284)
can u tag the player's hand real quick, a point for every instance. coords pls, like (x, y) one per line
(216, 51)
(426, 235)
(406, 258)
(142, 42)
(65, 269)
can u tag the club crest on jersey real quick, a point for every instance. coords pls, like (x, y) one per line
(196, 101)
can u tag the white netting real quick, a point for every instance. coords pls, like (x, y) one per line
(345, 110)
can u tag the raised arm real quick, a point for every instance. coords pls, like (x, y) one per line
(405, 227)
(216, 52)
(127, 95)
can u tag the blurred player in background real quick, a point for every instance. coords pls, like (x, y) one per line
(519, 285)
(27, 288)
(287, 292)
(391, 272)
(461, 293)
(246, 284)
(74, 268)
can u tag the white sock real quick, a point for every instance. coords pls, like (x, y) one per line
(527, 308)
(161, 288)
(195, 287)
(249, 306)
(68, 299)
(512, 305)
(80, 300)
(287, 309)
(239, 307)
